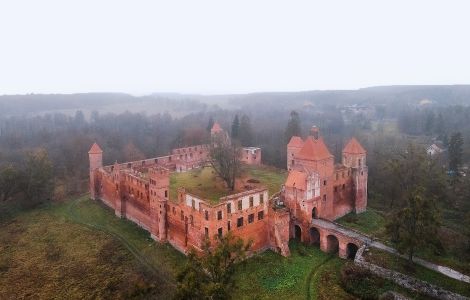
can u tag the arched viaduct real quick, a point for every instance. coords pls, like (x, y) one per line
(331, 237)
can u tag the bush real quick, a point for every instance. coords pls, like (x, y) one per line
(361, 282)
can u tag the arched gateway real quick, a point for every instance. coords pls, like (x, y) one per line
(298, 233)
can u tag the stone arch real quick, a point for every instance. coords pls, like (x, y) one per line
(332, 244)
(314, 236)
(351, 250)
(314, 213)
(298, 233)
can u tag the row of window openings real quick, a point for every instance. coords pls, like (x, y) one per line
(189, 149)
(251, 219)
(229, 206)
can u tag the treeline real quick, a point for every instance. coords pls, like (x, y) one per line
(439, 122)
(29, 182)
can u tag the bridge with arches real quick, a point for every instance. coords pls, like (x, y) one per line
(332, 238)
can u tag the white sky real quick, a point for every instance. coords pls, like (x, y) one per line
(237, 46)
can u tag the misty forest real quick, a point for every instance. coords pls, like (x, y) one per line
(44, 168)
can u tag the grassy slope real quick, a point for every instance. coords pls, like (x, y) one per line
(373, 222)
(269, 275)
(47, 254)
(370, 222)
(396, 263)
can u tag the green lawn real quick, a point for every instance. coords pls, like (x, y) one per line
(390, 261)
(270, 177)
(300, 276)
(370, 222)
(200, 182)
(205, 184)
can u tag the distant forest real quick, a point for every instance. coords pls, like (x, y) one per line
(130, 128)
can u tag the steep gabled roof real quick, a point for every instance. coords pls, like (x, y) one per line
(314, 149)
(354, 147)
(296, 141)
(297, 179)
(216, 128)
(95, 149)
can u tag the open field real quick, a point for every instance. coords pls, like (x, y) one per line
(204, 182)
(46, 254)
(79, 250)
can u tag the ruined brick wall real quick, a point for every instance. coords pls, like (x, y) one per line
(191, 219)
(343, 192)
(251, 156)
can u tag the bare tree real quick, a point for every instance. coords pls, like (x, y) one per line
(225, 160)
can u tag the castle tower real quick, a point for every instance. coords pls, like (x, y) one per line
(159, 195)
(354, 157)
(218, 134)
(293, 147)
(95, 156)
(315, 132)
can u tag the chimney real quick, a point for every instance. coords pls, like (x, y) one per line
(315, 132)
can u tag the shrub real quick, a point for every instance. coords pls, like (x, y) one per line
(360, 282)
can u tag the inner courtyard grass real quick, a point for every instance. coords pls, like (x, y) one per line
(204, 183)
(270, 177)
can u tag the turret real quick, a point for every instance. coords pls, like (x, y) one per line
(354, 156)
(159, 195)
(293, 147)
(95, 156)
(218, 135)
(315, 132)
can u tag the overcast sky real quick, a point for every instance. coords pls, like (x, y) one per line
(237, 46)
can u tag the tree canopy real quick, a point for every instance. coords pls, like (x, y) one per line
(208, 275)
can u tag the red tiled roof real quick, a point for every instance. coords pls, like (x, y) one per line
(95, 149)
(216, 128)
(314, 150)
(297, 179)
(296, 141)
(354, 147)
